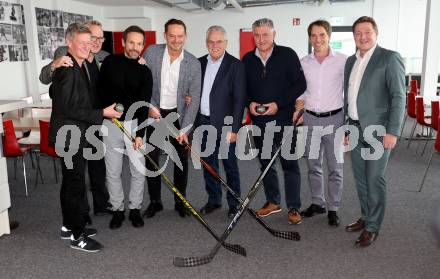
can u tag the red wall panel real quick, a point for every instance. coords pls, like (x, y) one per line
(246, 42)
(117, 41)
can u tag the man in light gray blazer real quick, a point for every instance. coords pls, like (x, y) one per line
(375, 95)
(176, 75)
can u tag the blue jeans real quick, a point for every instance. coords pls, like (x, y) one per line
(292, 178)
(212, 185)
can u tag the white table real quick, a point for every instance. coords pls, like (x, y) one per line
(5, 198)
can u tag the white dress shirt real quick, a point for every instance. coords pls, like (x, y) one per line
(258, 54)
(210, 74)
(325, 82)
(169, 81)
(355, 81)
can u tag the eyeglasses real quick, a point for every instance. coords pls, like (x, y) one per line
(97, 39)
(211, 43)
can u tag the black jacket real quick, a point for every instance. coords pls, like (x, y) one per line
(72, 102)
(281, 80)
(228, 93)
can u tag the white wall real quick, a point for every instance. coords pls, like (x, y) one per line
(282, 15)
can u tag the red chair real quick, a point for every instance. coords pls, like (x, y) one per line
(414, 86)
(421, 119)
(410, 109)
(12, 149)
(46, 149)
(435, 113)
(435, 151)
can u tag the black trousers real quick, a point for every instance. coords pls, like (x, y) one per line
(73, 193)
(180, 176)
(96, 170)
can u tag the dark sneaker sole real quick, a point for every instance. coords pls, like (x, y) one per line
(272, 212)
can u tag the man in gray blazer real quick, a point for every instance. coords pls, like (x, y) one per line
(374, 95)
(176, 75)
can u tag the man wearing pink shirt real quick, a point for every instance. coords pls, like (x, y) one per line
(323, 102)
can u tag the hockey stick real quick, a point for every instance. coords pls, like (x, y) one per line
(196, 261)
(282, 234)
(236, 248)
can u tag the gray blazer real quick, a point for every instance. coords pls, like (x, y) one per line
(46, 74)
(190, 77)
(381, 97)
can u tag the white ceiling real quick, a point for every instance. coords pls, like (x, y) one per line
(119, 2)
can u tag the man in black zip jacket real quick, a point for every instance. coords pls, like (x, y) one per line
(274, 81)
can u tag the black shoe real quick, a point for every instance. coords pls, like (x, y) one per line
(209, 208)
(180, 208)
(313, 209)
(102, 212)
(87, 220)
(333, 219)
(153, 207)
(13, 225)
(84, 243)
(135, 217)
(117, 219)
(231, 212)
(67, 234)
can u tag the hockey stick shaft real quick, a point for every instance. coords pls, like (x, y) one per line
(214, 173)
(231, 247)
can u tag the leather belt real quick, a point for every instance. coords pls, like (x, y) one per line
(324, 114)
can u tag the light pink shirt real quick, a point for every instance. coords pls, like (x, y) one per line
(325, 82)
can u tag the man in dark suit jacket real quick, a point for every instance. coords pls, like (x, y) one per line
(374, 89)
(73, 106)
(223, 95)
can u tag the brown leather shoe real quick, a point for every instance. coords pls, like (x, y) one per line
(366, 238)
(268, 209)
(356, 226)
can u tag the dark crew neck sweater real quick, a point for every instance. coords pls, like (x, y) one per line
(281, 81)
(124, 80)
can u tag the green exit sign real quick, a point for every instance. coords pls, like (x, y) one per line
(336, 45)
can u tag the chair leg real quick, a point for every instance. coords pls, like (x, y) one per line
(24, 175)
(32, 160)
(426, 143)
(412, 133)
(38, 171)
(403, 125)
(426, 171)
(15, 168)
(55, 170)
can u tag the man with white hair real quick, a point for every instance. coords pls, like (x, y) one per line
(223, 95)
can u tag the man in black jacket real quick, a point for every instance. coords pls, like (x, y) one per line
(123, 80)
(72, 114)
(274, 81)
(92, 64)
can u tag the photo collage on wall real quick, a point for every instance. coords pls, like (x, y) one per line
(51, 26)
(13, 42)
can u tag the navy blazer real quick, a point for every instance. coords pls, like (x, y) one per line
(228, 93)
